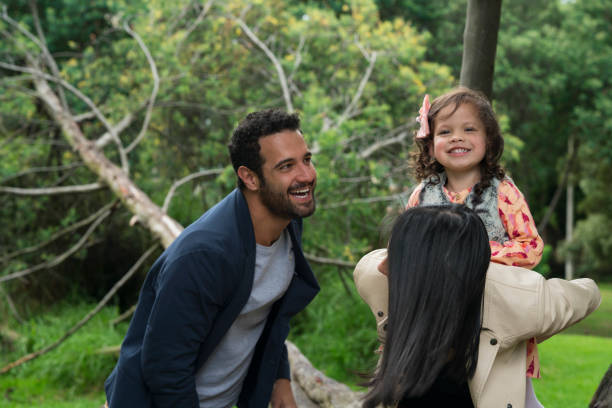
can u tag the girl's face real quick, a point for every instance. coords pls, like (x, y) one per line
(459, 140)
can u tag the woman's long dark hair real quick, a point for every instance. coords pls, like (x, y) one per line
(438, 259)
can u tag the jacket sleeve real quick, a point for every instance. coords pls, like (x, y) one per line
(190, 292)
(283, 368)
(563, 303)
(373, 287)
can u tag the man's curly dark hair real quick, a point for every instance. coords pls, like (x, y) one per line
(244, 146)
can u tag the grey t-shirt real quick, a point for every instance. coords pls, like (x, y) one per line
(219, 380)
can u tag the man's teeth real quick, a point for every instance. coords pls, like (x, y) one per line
(302, 192)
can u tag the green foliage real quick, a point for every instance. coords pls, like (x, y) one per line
(76, 368)
(337, 331)
(597, 323)
(572, 367)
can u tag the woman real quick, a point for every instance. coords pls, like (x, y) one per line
(458, 326)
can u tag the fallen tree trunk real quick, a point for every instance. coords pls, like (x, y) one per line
(321, 390)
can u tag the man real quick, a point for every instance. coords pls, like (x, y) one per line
(213, 313)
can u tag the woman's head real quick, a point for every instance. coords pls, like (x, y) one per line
(445, 106)
(437, 259)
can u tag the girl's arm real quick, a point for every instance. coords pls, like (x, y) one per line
(413, 201)
(525, 245)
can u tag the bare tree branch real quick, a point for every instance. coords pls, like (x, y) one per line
(43, 46)
(329, 261)
(47, 169)
(555, 199)
(124, 316)
(401, 197)
(186, 179)
(85, 188)
(279, 68)
(84, 116)
(38, 73)
(11, 305)
(59, 234)
(196, 23)
(350, 109)
(87, 317)
(155, 76)
(324, 391)
(148, 213)
(396, 136)
(60, 258)
(123, 124)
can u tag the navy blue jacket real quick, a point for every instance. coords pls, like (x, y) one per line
(190, 298)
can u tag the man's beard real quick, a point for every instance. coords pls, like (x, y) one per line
(279, 203)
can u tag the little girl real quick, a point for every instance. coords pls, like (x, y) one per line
(458, 148)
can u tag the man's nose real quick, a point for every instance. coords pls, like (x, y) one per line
(307, 173)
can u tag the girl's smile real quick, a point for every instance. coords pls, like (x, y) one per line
(459, 142)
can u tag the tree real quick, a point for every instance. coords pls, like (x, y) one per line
(147, 105)
(480, 44)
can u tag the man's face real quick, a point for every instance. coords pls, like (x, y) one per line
(289, 177)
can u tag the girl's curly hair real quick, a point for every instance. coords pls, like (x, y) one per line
(422, 160)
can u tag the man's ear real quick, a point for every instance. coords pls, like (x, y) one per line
(249, 178)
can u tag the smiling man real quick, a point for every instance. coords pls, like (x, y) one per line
(214, 311)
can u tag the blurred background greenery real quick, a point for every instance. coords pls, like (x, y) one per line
(357, 72)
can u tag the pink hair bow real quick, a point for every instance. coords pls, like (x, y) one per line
(422, 119)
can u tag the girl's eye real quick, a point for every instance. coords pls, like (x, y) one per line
(443, 132)
(470, 129)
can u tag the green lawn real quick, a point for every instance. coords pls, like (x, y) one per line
(72, 375)
(572, 367)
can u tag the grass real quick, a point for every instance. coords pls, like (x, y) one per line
(69, 376)
(572, 367)
(336, 332)
(598, 323)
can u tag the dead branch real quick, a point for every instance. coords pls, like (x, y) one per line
(150, 215)
(324, 391)
(40, 74)
(329, 261)
(43, 46)
(87, 317)
(396, 136)
(47, 169)
(401, 197)
(279, 68)
(195, 24)
(60, 258)
(177, 184)
(123, 316)
(107, 137)
(155, 76)
(350, 109)
(59, 234)
(555, 199)
(85, 188)
(11, 304)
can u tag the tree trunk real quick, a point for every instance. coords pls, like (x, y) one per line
(480, 44)
(569, 215)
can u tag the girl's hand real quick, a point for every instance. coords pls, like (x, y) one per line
(383, 266)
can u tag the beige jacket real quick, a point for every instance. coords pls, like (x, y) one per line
(518, 304)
